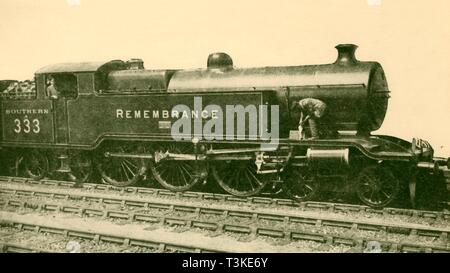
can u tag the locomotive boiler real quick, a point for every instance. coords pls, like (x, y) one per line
(355, 92)
(182, 127)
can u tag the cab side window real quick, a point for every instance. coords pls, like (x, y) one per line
(61, 85)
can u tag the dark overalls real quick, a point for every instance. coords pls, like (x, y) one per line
(312, 110)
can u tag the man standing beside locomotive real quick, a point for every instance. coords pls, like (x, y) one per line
(311, 110)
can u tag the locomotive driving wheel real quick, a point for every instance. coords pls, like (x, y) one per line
(239, 177)
(121, 171)
(80, 166)
(300, 186)
(377, 186)
(33, 163)
(176, 175)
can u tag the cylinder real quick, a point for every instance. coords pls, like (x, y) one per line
(327, 158)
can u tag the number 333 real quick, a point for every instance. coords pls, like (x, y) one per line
(27, 126)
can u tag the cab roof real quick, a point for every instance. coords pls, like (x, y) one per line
(81, 67)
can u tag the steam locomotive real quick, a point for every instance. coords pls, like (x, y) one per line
(125, 123)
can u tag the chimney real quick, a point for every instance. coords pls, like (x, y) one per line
(346, 54)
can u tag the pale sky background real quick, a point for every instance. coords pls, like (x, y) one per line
(410, 38)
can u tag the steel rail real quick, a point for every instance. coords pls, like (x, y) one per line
(7, 247)
(298, 217)
(97, 236)
(308, 205)
(284, 233)
(285, 218)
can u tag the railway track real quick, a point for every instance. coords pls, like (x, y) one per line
(6, 247)
(195, 213)
(160, 245)
(204, 196)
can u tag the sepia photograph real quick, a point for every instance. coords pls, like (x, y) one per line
(239, 127)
